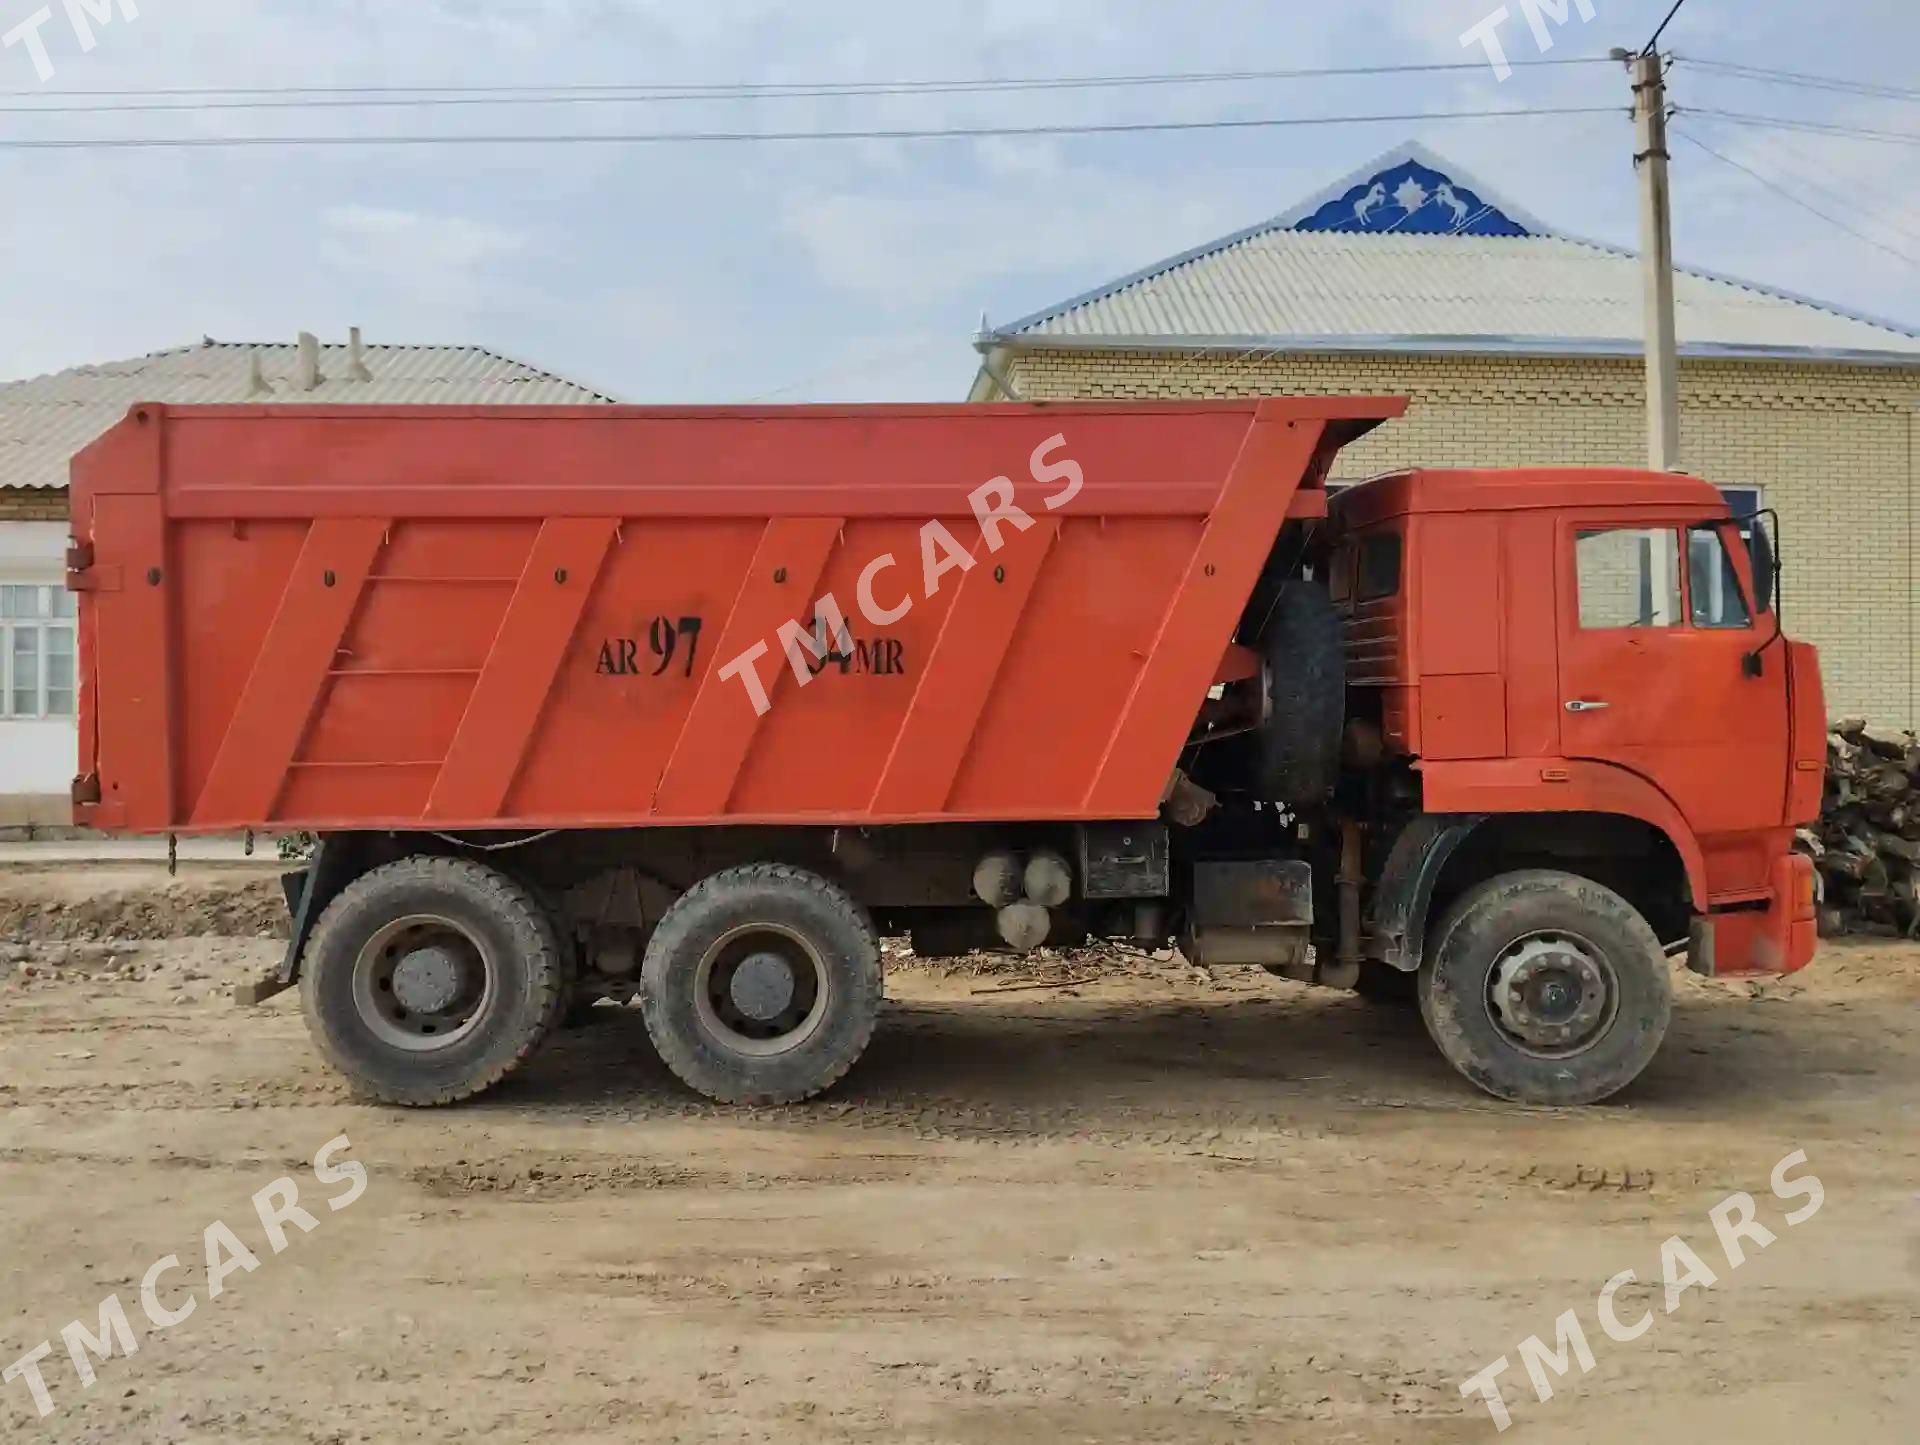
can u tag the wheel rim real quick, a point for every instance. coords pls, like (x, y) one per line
(762, 990)
(423, 983)
(1553, 994)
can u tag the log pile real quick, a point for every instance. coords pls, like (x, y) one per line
(1866, 845)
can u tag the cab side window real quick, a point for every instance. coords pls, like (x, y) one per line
(1379, 569)
(1628, 577)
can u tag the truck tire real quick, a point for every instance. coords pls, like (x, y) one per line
(429, 980)
(1298, 756)
(1546, 988)
(762, 985)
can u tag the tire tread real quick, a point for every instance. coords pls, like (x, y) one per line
(1522, 1078)
(513, 903)
(688, 912)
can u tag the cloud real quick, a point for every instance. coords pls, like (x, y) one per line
(383, 236)
(713, 273)
(1033, 217)
(443, 260)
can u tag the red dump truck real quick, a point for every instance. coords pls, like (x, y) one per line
(693, 705)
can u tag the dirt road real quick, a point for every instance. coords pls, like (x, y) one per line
(1146, 1207)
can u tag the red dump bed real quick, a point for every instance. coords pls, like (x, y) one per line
(452, 618)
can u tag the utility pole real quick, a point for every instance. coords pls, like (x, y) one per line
(1650, 161)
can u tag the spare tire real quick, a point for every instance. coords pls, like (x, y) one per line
(1298, 757)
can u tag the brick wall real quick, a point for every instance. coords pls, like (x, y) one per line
(1834, 447)
(33, 504)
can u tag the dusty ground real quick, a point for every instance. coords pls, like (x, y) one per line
(1148, 1207)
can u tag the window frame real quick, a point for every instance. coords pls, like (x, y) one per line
(51, 617)
(1583, 528)
(1739, 527)
(1373, 544)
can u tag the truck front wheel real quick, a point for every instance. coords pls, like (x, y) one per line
(762, 985)
(430, 980)
(1545, 988)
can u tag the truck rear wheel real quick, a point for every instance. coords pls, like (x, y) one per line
(762, 985)
(1546, 988)
(430, 980)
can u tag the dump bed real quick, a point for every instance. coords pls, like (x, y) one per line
(453, 618)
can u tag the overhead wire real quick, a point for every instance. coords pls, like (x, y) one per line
(751, 90)
(1799, 201)
(1663, 27)
(714, 137)
(1801, 79)
(1794, 167)
(1795, 123)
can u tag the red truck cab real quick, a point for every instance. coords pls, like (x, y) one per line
(1597, 646)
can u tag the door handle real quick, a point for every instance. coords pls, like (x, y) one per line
(1583, 705)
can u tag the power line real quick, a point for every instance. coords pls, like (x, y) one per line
(1812, 127)
(1803, 204)
(1802, 79)
(1663, 27)
(743, 137)
(399, 102)
(1790, 162)
(750, 90)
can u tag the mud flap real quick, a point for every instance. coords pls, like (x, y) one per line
(1396, 934)
(1700, 946)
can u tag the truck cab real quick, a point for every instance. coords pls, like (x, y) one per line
(1581, 663)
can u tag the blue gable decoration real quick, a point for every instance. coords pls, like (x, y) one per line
(1412, 199)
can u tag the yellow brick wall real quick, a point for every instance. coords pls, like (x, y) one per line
(33, 504)
(1833, 446)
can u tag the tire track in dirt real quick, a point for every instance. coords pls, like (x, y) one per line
(1231, 1140)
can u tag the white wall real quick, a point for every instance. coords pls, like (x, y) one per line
(33, 551)
(38, 758)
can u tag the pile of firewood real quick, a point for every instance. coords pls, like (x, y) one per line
(1866, 845)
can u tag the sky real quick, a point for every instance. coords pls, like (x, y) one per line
(854, 270)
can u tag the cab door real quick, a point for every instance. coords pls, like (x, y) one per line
(1657, 623)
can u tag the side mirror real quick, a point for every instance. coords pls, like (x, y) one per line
(1766, 563)
(1765, 556)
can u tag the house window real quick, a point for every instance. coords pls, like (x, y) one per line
(1746, 503)
(37, 637)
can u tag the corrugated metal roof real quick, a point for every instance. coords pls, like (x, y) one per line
(44, 420)
(1277, 286)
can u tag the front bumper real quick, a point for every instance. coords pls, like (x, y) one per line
(1747, 941)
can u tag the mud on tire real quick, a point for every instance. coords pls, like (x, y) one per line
(1298, 747)
(489, 949)
(762, 985)
(1524, 1040)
